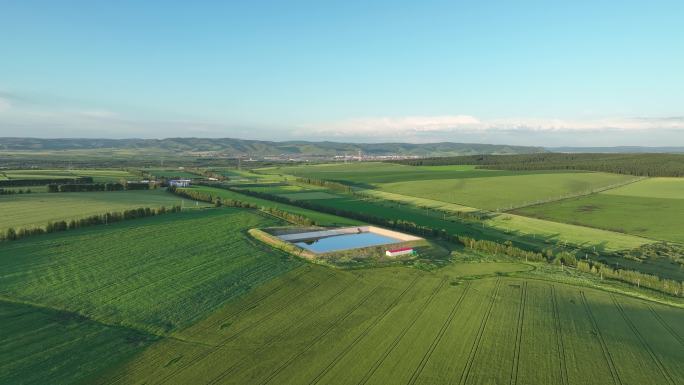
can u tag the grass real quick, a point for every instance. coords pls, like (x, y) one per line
(667, 188)
(310, 195)
(154, 274)
(505, 192)
(398, 325)
(651, 208)
(35, 210)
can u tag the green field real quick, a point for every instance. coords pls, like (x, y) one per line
(170, 173)
(154, 274)
(98, 175)
(310, 195)
(320, 218)
(405, 326)
(464, 185)
(376, 172)
(30, 210)
(505, 192)
(652, 208)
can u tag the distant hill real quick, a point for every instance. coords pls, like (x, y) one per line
(256, 148)
(619, 150)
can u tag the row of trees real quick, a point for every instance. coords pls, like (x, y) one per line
(11, 234)
(505, 248)
(14, 191)
(632, 164)
(327, 184)
(634, 277)
(85, 187)
(43, 182)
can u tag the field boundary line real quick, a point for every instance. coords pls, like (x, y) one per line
(643, 341)
(203, 355)
(666, 325)
(364, 333)
(559, 338)
(518, 338)
(316, 339)
(401, 335)
(604, 348)
(281, 336)
(438, 338)
(478, 337)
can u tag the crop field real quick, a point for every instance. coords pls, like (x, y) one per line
(35, 210)
(154, 274)
(320, 326)
(99, 175)
(38, 343)
(652, 208)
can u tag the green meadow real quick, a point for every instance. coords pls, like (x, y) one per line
(651, 208)
(504, 192)
(36, 210)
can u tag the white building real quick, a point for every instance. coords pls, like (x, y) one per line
(398, 252)
(179, 182)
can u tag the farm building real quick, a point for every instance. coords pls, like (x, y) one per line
(179, 182)
(398, 252)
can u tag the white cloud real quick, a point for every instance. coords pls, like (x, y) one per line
(5, 104)
(442, 126)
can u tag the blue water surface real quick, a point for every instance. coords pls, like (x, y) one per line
(345, 241)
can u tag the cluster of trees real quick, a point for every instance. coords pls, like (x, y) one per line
(80, 187)
(14, 191)
(631, 164)
(505, 248)
(634, 277)
(327, 184)
(11, 234)
(42, 182)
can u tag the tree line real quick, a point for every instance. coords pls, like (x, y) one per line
(42, 182)
(634, 277)
(89, 187)
(631, 164)
(327, 184)
(12, 234)
(14, 191)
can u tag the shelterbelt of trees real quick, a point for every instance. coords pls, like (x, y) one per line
(631, 164)
(13, 234)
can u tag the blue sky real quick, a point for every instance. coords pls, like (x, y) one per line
(520, 72)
